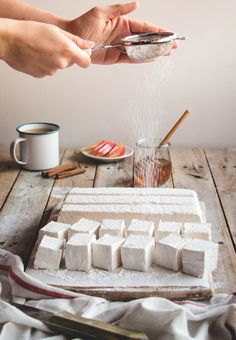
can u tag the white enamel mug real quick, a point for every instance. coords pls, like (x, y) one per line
(38, 145)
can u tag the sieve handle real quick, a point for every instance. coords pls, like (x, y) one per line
(107, 46)
(130, 43)
(181, 38)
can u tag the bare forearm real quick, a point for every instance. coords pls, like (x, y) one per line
(3, 37)
(22, 47)
(21, 10)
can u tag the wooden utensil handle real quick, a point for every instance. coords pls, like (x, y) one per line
(101, 330)
(174, 128)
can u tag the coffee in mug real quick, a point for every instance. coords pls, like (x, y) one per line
(38, 145)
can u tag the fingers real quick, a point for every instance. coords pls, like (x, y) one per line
(80, 50)
(137, 26)
(80, 57)
(84, 44)
(114, 11)
(175, 44)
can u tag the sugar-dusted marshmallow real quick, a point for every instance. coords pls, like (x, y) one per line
(84, 226)
(55, 229)
(140, 227)
(106, 252)
(199, 257)
(168, 251)
(164, 229)
(200, 231)
(137, 252)
(112, 227)
(49, 253)
(78, 252)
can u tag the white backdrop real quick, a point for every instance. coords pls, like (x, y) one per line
(126, 102)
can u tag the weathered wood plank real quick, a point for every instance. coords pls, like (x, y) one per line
(8, 174)
(22, 212)
(190, 170)
(127, 294)
(222, 163)
(63, 186)
(119, 174)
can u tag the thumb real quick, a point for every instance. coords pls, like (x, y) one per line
(114, 11)
(81, 43)
(77, 48)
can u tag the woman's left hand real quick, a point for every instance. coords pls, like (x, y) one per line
(106, 25)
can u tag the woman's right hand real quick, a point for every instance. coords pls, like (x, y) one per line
(40, 49)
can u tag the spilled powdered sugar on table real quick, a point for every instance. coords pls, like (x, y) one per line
(155, 277)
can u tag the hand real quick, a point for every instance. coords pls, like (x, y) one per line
(41, 49)
(106, 25)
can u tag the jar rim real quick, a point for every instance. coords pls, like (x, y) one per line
(150, 143)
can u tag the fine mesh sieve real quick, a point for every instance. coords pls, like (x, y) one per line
(143, 47)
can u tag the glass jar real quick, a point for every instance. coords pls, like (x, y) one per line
(152, 164)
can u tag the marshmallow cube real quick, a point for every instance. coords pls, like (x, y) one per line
(168, 251)
(84, 226)
(199, 257)
(137, 252)
(49, 253)
(139, 227)
(166, 228)
(55, 229)
(106, 252)
(78, 252)
(112, 227)
(200, 231)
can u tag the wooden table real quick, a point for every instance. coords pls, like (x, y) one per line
(27, 199)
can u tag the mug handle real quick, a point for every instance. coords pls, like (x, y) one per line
(13, 150)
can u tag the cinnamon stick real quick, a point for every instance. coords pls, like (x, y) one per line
(58, 169)
(70, 173)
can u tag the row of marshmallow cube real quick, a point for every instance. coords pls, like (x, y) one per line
(137, 227)
(195, 257)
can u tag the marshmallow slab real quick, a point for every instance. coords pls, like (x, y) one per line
(200, 231)
(199, 257)
(168, 251)
(84, 226)
(128, 199)
(140, 227)
(78, 252)
(112, 227)
(164, 229)
(106, 252)
(153, 204)
(132, 191)
(49, 253)
(151, 212)
(137, 252)
(55, 229)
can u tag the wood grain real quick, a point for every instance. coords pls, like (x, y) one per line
(22, 212)
(126, 294)
(222, 163)
(119, 174)
(190, 170)
(63, 186)
(8, 174)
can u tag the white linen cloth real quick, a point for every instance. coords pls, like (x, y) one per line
(158, 318)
